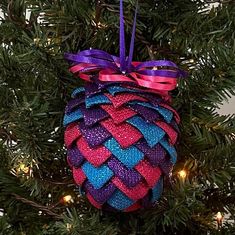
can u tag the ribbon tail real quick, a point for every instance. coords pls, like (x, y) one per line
(122, 40)
(131, 50)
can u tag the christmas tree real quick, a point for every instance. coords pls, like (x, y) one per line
(37, 192)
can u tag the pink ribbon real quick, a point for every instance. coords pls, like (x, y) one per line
(157, 84)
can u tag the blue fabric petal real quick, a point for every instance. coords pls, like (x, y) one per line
(157, 190)
(71, 117)
(152, 133)
(120, 201)
(97, 99)
(97, 176)
(77, 91)
(166, 113)
(170, 149)
(128, 156)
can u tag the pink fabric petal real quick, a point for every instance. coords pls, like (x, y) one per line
(95, 156)
(151, 174)
(135, 193)
(93, 201)
(125, 134)
(79, 176)
(71, 134)
(118, 115)
(133, 207)
(169, 130)
(176, 115)
(123, 98)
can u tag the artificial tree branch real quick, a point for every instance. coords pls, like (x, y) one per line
(46, 209)
(12, 17)
(18, 21)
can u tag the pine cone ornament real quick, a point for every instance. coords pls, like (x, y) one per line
(121, 131)
(120, 142)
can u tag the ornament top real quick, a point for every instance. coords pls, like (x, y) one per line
(158, 76)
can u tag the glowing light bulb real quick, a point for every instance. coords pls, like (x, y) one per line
(182, 174)
(219, 218)
(36, 40)
(67, 198)
(69, 227)
(24, 168)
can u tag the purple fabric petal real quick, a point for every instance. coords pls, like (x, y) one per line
(157, 156)
(73, 103)
(94, 135)
(75, 157)
(93, 115)
(100, 195)
(154, 155)
(91, 89)
(148, 114)
(101, 85)
(153, 98)
(130, 177)
(166, 166)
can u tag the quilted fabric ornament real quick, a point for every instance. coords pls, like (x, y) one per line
(120, 128)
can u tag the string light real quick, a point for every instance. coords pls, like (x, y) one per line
(24, 168)
(182, 174)
(1, 212)
(67, 199)
(69, 227)
(219, 219)
(36, 41)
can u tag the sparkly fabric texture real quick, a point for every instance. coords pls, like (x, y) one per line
(157, 190)
(166, 114)
(94, 135)
(152, 133)
(101, 153)
(121, 99)
(172, 134)
(148, 114)
(100, 195)
(118, 115)
(119, 200)
(71, 134)
(74, 157)
(96, 100)
(78, 91)
(154, 155)
(129, 156)
(74, 116)
(92, 172)
(125, 134)
(73, 104)
(120, 143)
(94, 115)
(131, 192)
(129, 176)
(78, 175)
